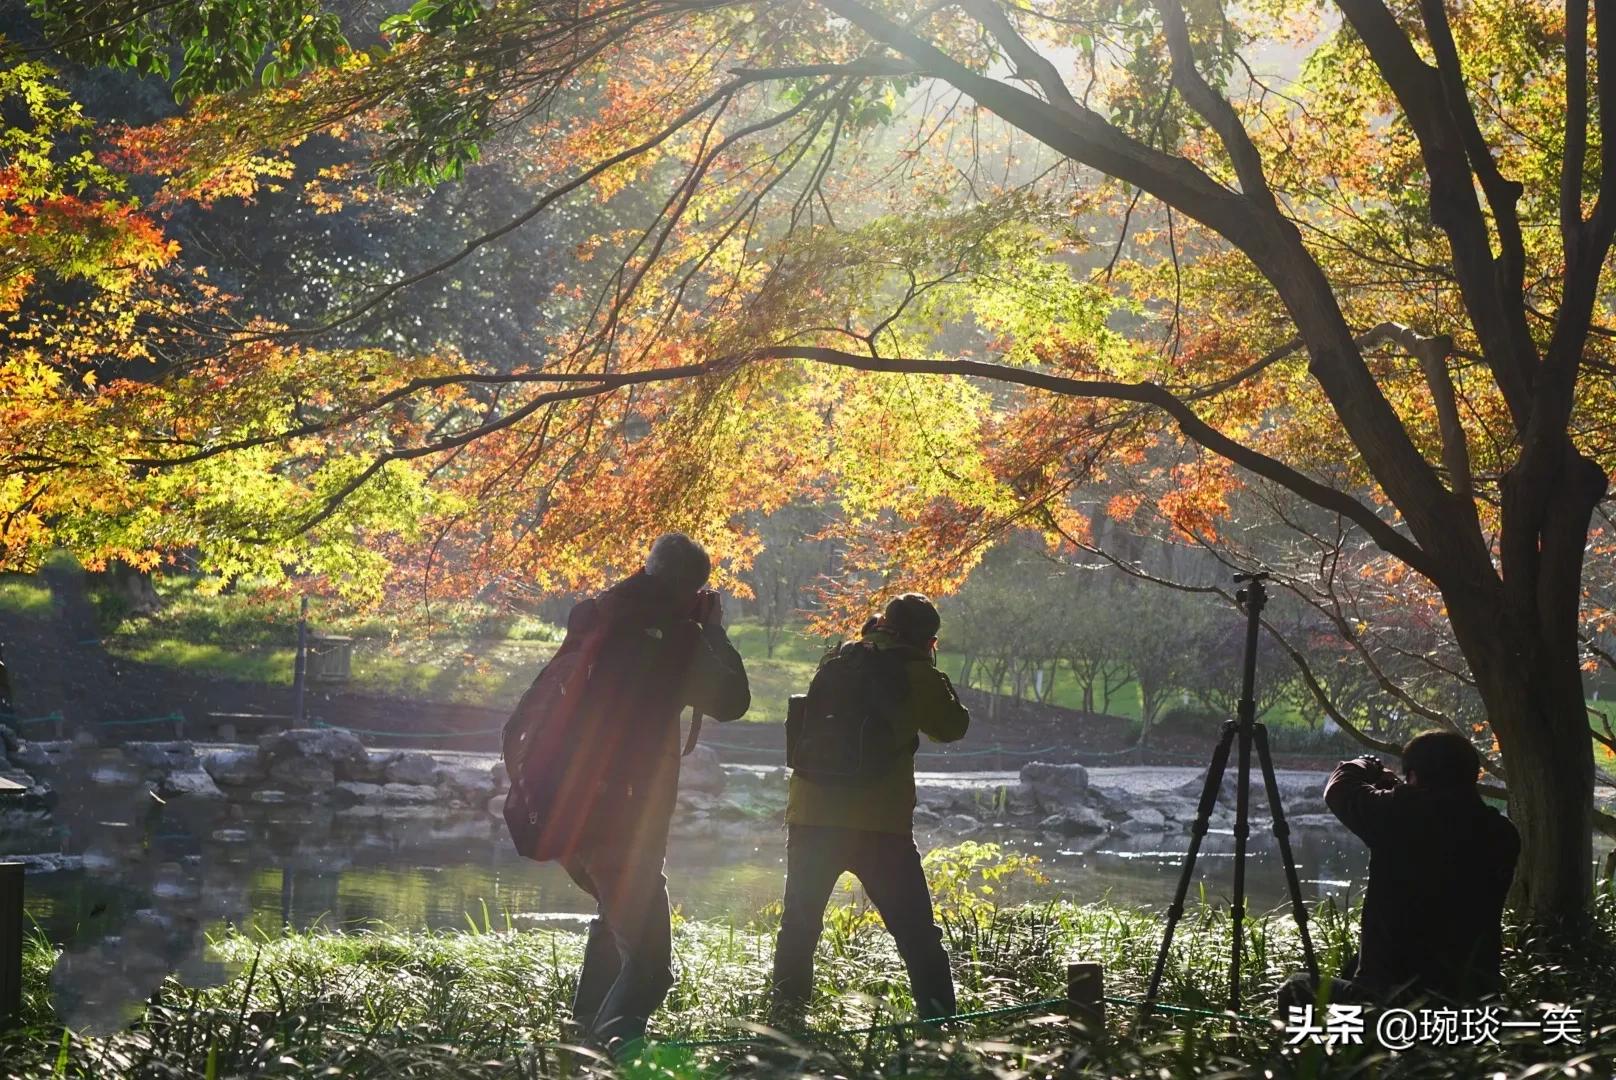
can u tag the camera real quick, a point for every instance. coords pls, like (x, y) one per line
(706, 606)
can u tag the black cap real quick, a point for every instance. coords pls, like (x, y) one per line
(912, 617)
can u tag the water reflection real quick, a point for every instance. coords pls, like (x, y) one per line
(158, 879)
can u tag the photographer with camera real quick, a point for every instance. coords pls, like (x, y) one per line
(654, 644)
(851, 744)
(1440, 865)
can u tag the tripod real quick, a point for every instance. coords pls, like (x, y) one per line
(1253, 597)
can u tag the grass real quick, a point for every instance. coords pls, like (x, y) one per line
(491, 1002)
(24, 596)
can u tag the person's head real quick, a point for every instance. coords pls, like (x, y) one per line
(679, 562)
(912, 618)
(1441, 759)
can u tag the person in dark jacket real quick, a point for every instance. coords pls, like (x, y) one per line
(869, 829)
(658, 646)
(1440, 865)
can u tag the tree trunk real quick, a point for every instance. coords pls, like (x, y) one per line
(134, 588)
(1521, 642)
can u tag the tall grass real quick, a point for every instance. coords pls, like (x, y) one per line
(492, 1002)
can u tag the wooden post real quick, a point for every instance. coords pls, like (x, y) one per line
(10, 942)
(1085, 995)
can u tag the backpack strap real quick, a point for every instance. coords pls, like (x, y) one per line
(695, 733)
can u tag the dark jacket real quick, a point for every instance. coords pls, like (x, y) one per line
(887, 804)
(1440, 864)
(651, 661)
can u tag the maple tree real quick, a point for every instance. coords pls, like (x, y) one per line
(944, 265)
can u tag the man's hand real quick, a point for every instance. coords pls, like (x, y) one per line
(1379, 775)
(709, 610)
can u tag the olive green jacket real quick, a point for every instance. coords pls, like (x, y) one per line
(887, 803)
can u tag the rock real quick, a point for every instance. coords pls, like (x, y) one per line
(959, 825)
(412, 767)
(502, 776)
(236, 768)
(160, 757)
(401, 794)
(37, 757)
(943, 799)
(1144, 820)
(332, 746)
(372, 770)
(701, 802)
(1178, 809)
(347, 793)
(1052, 787)
(190, 784)
(496, 806)
(9, 740)
(232, 836)
(470, 781)
(269, 797)
(303, 772)
(925, 818)
(1314, 821)
(1292, 787)
(701, 771)
(114, 774)
(1304, 807)
(1075, 821)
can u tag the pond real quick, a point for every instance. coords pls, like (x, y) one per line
(155, 880)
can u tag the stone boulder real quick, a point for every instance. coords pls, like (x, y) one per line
(353, 792)
(502, 776)
(189, 784)
(470, 781)
(1145, 819)
(1075, 821)
(235, 768)
(1293, 787)
(42, 757)
(701, 771)
(1053, 787)
(306, 773)
(496, 806)
(959, 825)
(1313, 821)
(157, 758)
(9, 740)
(372, 770)
(401, 794)
(412, 767)
(333, 747)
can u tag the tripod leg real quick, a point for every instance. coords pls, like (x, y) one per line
(1203, 817)
(1282, 833)
(1242, 829)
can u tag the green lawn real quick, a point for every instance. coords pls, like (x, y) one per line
(25, 596)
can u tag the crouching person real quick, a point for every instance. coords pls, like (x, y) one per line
(1440, 865)
(851, 745)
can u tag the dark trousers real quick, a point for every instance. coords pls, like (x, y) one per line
(888, 866)
(628, 958)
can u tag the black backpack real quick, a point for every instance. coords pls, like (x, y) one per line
(841, 731)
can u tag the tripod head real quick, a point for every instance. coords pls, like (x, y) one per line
(1253, 596)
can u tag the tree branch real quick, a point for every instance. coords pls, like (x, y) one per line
(1214, 108)
(1496, 313)
(1193, 427)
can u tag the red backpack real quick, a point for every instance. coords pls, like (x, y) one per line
(562, 737)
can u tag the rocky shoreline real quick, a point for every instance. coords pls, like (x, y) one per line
(331, 768)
